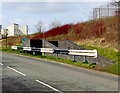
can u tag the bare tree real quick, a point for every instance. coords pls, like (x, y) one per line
(39, 26)
(55, 24)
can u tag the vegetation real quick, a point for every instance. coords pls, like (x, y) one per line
(101, 33)
(71, 62)
(106, 52)
(114, 69)
(110, 54)
(53, 32)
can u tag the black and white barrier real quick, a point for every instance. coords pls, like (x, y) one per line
(27, 48)
(84, 53)
(90, 53)
(14, 47)
(61, 51)
(47, 50)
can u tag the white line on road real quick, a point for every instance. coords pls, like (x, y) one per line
(48, 86)
(16, 71)
(1, 64)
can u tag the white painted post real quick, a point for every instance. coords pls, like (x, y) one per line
(74, 58)
(84, 59)
(44, 54)
(33, 52)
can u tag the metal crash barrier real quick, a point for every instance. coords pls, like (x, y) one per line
(91, 53)
(84, 53)
(14, 47)
(61, 51)
(27, 48)
(47, 50)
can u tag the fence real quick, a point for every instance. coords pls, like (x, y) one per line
(110, 9)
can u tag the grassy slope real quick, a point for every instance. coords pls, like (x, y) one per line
(110, 54)
(111, 69)
(102, 33)
(67, 61)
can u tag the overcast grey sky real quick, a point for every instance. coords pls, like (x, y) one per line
(31, 12)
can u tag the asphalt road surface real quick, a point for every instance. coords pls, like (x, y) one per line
(21, 73)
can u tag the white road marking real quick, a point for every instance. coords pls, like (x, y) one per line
(48, 86)
(1, 64)
(16, 70)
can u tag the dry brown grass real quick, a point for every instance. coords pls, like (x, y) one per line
(99, 32)
(107, 35)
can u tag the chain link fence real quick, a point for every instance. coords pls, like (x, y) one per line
(110, 9)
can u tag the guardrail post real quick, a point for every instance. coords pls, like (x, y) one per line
(74, 58)
(25, 51)
(33, 53)
(44, 54)
(84, 59)
(57, 55)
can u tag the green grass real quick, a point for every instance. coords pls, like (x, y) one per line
(106, 52)
(110, 54)
(71, 62)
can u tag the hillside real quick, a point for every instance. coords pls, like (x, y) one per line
(101, 32)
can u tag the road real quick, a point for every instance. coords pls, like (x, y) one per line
(21, 73)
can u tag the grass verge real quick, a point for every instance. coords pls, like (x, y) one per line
(110, 54)
(71, 62)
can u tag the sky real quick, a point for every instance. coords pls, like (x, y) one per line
(31, 12)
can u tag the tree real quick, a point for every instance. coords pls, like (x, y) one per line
(55, 24)
(39, 26)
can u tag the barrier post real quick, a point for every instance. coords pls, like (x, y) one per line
(25, 51)
(33, 53)
(44, 54)
(57, 55)
(84, 59)
(74, 58)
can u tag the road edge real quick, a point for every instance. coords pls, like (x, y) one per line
(86, 69)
